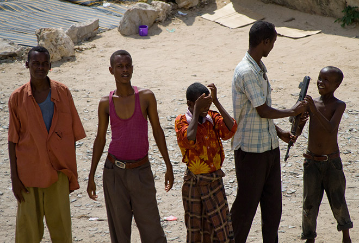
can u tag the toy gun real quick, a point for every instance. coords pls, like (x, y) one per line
(295, 120)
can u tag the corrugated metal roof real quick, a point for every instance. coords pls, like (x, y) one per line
(20, 18)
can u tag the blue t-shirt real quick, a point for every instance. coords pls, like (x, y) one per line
(47, 110)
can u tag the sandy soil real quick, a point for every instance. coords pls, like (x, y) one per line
(176, 53)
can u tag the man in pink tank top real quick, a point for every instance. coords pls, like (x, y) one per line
(128, 181)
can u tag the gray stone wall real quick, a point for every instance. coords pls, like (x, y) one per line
(330, 8)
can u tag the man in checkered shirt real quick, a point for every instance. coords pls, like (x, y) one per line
(255, 144)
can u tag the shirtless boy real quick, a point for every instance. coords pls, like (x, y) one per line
(322, 165)
(128, 180)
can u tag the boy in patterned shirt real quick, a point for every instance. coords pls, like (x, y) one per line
(199, 133)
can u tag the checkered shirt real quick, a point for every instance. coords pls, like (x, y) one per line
(254, 134)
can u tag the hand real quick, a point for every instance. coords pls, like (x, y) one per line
(213, 90)
(287, 137)
(310, 103)
(91, 188)
(300, 107)
(169, 179)
(303, 118)
(202, 104)
(18, 187)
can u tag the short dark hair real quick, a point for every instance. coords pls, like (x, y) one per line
(118, 53)
(38, 49)
(337, 72)
(194, 91)
(261, 30)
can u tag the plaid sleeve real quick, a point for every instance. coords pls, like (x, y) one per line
(181, 127)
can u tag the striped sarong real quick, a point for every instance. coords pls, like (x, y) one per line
(207, 216)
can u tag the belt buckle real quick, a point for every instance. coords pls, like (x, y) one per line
(120, 164)
(327, 157)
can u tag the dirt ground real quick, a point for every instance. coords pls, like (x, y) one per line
(183, 50)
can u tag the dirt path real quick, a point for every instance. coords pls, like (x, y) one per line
(177, 53)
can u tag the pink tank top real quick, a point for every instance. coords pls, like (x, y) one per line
(129, 137)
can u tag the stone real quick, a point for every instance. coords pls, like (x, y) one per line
(9, 49)
(83, 31)
(163, 8)
(56, 41)
(138, 14)
(187, 3)
(352, 3)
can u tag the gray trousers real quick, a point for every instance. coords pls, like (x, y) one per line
(320, 176)
(131, 192)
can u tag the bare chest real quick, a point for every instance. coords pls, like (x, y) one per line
(40, 97)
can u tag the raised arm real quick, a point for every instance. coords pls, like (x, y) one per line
(202, 104)
(229, 122)
(99, 144)
(159, 137)
(329, 125)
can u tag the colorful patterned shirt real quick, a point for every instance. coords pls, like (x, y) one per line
(206, 153)
(250, 89)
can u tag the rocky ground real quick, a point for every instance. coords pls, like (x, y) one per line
(181, 51)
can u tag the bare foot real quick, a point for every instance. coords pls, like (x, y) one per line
(310, 241)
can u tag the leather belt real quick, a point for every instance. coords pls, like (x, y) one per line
(127, 164)
(325, 157)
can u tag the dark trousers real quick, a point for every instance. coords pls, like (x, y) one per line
(259, 180)
(320, 176)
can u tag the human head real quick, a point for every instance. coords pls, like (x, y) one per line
(118, 53)
(335, 72)
(193, 92)
(38, 63)
(121, 66)
(329, 80)
(260, 31)
(38, 49)
(262, 36)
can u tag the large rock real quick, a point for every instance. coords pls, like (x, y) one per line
(164, 9)
(187, 3)
(139, 14)
(58, 43)
(83, 31)
(10, 50)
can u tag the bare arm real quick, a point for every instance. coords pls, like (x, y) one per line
(159, 138)
(229, 122)
(17, 186)
(329, 125)
(201, 104)
(266, 111)
(286, 136)
(99, 144)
